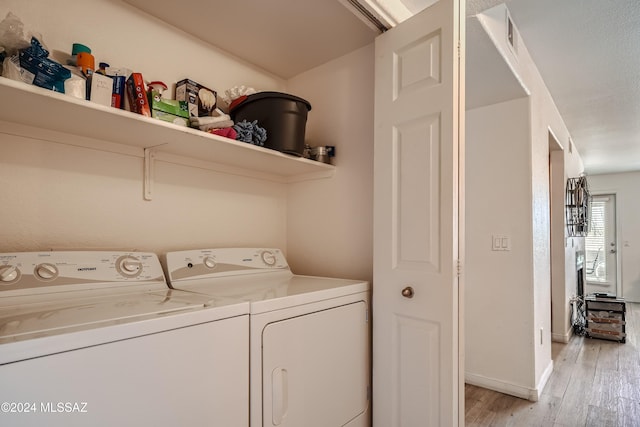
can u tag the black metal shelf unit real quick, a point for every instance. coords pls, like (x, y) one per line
(577, 199)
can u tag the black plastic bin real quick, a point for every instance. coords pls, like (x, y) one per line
(283, 116)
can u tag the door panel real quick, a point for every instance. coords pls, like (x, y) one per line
(415, 367)
(417, 64)
(417, 375)
(314, 369)
(416, 231)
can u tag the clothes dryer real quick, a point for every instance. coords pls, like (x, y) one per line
(310, 339)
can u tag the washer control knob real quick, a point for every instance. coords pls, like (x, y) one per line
(9, 273)
(268, 258)
(129, 266)
(209, 262)
(46, 271)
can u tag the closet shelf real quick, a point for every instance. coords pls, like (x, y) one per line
(44, 109)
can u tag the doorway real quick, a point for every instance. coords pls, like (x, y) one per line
(601, 248)
(560, 324)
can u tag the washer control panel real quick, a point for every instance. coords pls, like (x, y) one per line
(26, 270)
(203, 263)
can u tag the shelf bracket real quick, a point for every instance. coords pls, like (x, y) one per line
(149, 173)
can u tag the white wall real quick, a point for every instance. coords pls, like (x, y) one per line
(625, 187)
(330, 221)
(498, 283)
(564, 277)
(62, 197)
(121, 35)
(543, 118)
(59, 197)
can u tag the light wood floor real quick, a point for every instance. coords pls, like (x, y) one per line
(595, 383)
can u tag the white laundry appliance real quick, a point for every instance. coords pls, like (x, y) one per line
(99, 339)
(310, 339)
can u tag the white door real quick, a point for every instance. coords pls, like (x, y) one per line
(419, 117)
(601, 248)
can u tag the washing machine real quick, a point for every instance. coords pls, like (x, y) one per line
(309, 336)
(98, 338)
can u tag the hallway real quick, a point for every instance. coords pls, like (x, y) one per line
(594, 383)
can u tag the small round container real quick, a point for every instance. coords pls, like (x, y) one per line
(86, 62)
(320, 154)
(77, 48)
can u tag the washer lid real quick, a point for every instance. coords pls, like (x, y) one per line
(25, 321)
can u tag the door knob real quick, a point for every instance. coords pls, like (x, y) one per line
(408, 292)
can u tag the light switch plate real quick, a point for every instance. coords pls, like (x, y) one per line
(500, 243)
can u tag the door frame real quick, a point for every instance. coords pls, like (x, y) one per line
(560, 322)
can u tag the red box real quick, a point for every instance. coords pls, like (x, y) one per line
(138, 95)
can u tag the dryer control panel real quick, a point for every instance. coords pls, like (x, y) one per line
(206, 263)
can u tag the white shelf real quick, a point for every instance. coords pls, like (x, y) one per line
(35, 107)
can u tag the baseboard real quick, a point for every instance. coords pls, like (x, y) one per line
(502, 387)
(563, 338)
(543, 379)
(531, 394)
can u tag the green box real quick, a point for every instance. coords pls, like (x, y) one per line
(169, 110)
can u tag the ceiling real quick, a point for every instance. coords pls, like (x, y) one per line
(587, 51)
(284, 37)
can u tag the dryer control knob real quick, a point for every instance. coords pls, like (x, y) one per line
(209, 262)
(269, 258)
(9, 274)
(129, 266)
(46, 271)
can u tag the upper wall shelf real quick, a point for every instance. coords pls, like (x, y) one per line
(44, 109)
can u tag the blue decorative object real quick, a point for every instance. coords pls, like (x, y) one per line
(250, 132)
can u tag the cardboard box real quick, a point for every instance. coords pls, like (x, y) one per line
(117, 95)
(101, 89)
(166, 117)
(168, 110)
(137, 95)
(119, 76)
(201, 100)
